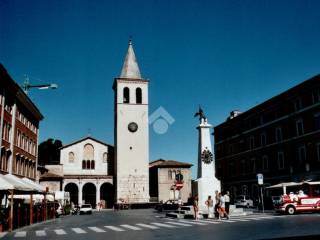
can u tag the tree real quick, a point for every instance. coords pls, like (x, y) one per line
(49, 152)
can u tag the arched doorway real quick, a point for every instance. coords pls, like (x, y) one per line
(72, 188)
(89, 194)
(107, 194)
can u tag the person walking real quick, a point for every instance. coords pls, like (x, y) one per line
(227, 201)
(209, 204)
(222, 207)
(217, 203)
(196, 207)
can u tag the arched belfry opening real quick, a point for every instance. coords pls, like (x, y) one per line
(138, 95)
(126, 95)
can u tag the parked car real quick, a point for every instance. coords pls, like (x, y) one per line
(243, 201)
(169, 205)
(59, 209)
(86, 209)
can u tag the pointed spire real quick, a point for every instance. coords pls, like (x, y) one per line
(130, 68)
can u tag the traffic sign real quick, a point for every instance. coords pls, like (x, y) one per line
(260, 178)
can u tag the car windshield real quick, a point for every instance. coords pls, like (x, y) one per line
(86, 206)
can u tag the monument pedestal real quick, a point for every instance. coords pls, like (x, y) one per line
(206, 187)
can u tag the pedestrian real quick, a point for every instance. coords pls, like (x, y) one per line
(196, 206)
(217, 203)
(227, 201)
(222, 208)
(209, 204)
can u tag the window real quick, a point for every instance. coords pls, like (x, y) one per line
(105, 157)
(231, 149)
(252, 166)
(318, 151)
(92, 164)
(263, 139)
(297, 104)
(126, 95)
(169, 174)
(243, 167)
(317, 121)
(84, 166)
(232, 169)
(88, 152)
(278, 134)
(302, 154)
(265, 163)
(138, 96)
(299, 127)
(251, 142)
(173, 175)
(280, 160)
(316, 95)
(71, 157)
(88, 164)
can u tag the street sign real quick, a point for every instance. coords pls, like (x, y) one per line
(260, 178)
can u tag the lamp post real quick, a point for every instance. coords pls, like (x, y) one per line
(26, 85)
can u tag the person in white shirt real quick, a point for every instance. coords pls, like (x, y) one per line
(227, 201)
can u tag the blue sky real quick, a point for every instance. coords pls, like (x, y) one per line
(223, 55)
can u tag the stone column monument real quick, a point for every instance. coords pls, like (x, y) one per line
(206, 184)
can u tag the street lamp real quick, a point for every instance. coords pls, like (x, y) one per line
(26, 85)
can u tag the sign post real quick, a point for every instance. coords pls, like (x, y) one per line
(260, 183)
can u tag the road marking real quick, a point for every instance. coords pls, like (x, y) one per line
(163, 225)
(194, 222)
(2, 234)
(96, 229)
(180, 224)
(117, 229)
(20, 234)
(147, 226)
(131, 227)
(41, 233)
(78, 230)
(60, 232)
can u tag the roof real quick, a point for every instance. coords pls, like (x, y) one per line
(49, 175)
(307, 84)
(161, 163)
(19, 93)
(83, 139)
(130, 68)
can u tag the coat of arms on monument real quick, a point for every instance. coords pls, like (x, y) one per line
(207, 156)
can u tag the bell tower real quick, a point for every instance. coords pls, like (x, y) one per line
(131, 132)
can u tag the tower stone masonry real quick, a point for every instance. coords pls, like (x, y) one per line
(131, 133)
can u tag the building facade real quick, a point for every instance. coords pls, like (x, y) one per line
(163, 183)
(19, 129)
(131, 133)
(86, 167)
(279, 138)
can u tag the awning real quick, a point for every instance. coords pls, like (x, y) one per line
(39, 187)
(287, 184)
(11, 182)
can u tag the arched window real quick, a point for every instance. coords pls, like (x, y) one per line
(71, 157)
(105, 157)
(92, 164)
(83, 164)
(88, 152)
(126, 95)
(138, 96)
(88, 164)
